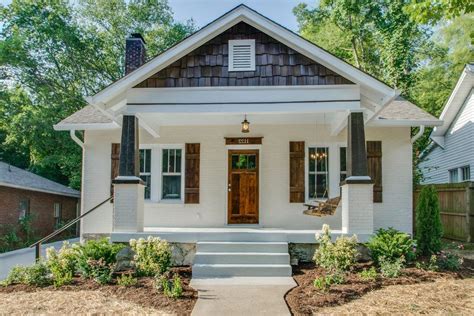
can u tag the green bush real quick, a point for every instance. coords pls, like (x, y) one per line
(335, 256)
(391, 244)
(448, 261)
(152, 255)
(62, 264)
(431, 265)
(171, 288)
(37, 275)
(391, 268)
(96, 257)
(429, 229)
(324, 283)
(127, 280)
(368, 274)
(100, 270)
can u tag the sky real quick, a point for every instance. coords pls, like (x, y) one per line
(205, 11)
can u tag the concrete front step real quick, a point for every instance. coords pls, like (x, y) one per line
(262, 236)
(242, 246)
(236, 270)
(241, 258)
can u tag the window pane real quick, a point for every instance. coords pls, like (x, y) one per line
(312, 159)
(147, 180)
(312, 186)
(171, 187)
(147, 160)
(165, 160)
(178, 160)
(322, 158)
(453, 175)
(142, 160)
(251, 161)
(465, 173)
(321, 185)
(172, 160)
(342, 153)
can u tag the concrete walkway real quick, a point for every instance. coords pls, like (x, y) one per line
(25, 256)
(242, 296)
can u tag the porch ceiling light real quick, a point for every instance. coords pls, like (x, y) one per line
(245, 125)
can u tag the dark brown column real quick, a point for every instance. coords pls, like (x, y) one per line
(356, 153)
(129, 154)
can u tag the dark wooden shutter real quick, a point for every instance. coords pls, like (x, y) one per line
(114, 165)
(374, 166)
(297, 172)
(191, 182)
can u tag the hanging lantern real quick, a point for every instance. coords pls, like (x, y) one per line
(245, 125)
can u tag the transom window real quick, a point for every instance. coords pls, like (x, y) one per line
(145, 170)
(171, 174)
(318, 175)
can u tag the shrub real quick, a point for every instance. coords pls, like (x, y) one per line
(171, 288)
(337, 256)
(429, 229)
(391, 244)
(62, 264)
(37, 275)
(100, 270)
(391, 268)
(152, 255)
(127, 280)
(448, 261)
(96, 256)
(368, 274)
(15, 276)
(431, 265)
(324, 283)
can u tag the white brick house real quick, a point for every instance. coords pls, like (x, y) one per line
(203, 177)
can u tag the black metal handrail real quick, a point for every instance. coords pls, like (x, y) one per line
(37, 244)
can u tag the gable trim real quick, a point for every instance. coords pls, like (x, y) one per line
(242, 14)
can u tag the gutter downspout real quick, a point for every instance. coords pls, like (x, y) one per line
(419, 134)
(76, 139)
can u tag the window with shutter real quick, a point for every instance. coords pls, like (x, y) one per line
(114, 165)
(374, 167)
(242, 55)
(297, 170)
(192, 162)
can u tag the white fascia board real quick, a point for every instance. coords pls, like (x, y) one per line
(85, 126)
(247, 108)
(250, 17)
(402, 123)
(243, 94)
(10, 185)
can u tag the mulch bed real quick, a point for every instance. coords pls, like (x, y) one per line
(143, 294)
(305, 299)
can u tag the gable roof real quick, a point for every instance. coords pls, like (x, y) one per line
(87, 117)
(14, 177)
(454, 104)
(242, 13)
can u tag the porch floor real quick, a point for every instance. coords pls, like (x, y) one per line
(229, 233)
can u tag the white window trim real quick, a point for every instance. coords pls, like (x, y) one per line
(231, 44)
(157, 174)
(334, 168)
(147, 173)
(459, 171)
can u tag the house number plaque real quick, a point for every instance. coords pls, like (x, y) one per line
(243, 140)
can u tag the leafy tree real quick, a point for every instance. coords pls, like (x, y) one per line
(429, 11)
(52, 54)
(429, 229)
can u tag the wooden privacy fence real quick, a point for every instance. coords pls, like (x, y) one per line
(456, 208)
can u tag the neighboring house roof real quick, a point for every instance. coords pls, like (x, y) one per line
(403, 111)
(14, 177)
(454, 104)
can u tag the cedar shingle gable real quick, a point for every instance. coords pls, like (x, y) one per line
(276, 65)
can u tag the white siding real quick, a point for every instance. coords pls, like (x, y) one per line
(458, 150)
(275, 209)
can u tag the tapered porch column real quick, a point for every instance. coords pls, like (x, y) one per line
(128, 187)
(357, 189)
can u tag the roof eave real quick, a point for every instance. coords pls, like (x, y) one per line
(85, 126)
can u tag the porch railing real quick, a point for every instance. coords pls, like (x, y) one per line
(37, 244)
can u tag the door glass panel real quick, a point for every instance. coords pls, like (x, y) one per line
(252, 161)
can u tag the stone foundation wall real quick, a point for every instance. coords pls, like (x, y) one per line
(301, 252)
(183, 253)
(86, 237)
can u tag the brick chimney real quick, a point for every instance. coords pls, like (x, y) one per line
(135, 52)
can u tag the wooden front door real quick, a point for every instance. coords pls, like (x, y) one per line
(243, 187)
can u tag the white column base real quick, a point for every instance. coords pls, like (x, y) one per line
(357, 208)
(128, 213)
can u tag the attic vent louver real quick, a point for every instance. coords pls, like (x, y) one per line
(242, 55)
